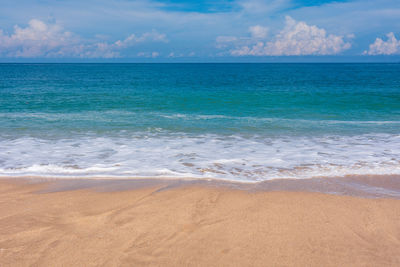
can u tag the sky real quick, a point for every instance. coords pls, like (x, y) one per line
(199, 31)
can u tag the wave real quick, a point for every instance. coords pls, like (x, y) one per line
(110, 115)
(234, 157)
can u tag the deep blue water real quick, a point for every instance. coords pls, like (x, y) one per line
(232, 121)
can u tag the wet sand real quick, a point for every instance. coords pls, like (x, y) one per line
(200, 223)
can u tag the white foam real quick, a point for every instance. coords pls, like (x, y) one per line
(250, 159)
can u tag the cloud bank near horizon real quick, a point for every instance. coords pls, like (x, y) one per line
(39, 39)
(295, 39)
(389, 47)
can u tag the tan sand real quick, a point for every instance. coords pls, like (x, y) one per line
(194, 225)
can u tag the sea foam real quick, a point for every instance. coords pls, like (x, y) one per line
(230, 157)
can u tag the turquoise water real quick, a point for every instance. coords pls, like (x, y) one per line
(247, 122)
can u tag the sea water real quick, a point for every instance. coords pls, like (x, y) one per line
(243, 122)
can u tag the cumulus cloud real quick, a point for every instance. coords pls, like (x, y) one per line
(39, 39)
(380, 47)
(295, 39)
(258, 32)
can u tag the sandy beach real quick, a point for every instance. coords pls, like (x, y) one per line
(193, 225)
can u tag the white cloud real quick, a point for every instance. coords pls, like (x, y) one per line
(148, 36)
(380, 47)
(258, 32)
(39, 39)
(113, 50)
(175, 55)
(297, 38)
(98, 50)
(225, 41)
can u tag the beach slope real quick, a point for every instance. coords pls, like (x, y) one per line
(194, 226)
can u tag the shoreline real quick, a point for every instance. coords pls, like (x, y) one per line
(168, 224)
(368, 186)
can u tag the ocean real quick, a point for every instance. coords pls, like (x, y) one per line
(239, 122)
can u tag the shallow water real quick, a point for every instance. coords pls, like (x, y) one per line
(247, 122)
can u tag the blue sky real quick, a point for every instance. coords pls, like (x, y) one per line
(183, 30)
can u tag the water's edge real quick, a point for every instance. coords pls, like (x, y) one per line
(366, 186)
